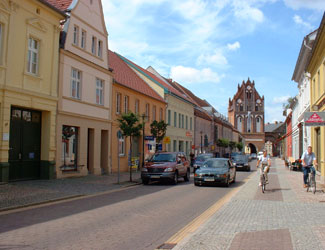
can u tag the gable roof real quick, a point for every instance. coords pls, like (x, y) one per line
(271, 127)
(59, 4)
(167, 87)
(125, 76)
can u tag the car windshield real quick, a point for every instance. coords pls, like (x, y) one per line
(163, 158)
(239, 158)
(215, 164)
(203, 157)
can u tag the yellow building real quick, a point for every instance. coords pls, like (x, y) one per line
(29, 45)
(316, 68)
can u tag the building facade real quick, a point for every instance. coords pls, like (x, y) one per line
(132, 94)
(29, 41)
(85, 90)
(316, 69)
(246, 114)
(273, 134)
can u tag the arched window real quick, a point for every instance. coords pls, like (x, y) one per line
(239, 124)
(258, 124)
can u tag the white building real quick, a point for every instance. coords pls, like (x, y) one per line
(301, 135)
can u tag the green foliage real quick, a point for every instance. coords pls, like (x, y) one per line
(158, 130)
(232, 145)
(224, 143)
(129, 125)
(240, 146)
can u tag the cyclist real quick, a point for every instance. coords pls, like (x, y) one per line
(308, 160)
(266, 164)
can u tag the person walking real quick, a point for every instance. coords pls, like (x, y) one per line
(309, 160)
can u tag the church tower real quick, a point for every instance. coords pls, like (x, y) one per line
(246, 114)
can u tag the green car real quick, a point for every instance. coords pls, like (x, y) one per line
(215, 171)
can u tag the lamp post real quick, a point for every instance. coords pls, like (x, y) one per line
(143, 116)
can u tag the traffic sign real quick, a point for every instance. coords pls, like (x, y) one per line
(149, 138)
(166, 140)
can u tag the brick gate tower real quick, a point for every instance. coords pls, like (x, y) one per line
(246, 113)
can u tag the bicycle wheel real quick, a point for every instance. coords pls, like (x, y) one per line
(313, 184)
(308, 183)
(263, 183)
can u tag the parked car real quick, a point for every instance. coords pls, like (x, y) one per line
(253, 156)
(166, 166)
(200, 159)
(241, 162)
(216, 171)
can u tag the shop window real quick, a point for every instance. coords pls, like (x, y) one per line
(69, 148)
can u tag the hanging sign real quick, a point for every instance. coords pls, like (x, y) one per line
(314, 118)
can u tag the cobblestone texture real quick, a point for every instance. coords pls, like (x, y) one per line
(300, 214)
(36, 191)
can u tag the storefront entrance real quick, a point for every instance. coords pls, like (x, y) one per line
(24, 144)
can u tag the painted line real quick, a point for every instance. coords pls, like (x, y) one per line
(201, 219)
(61, 200)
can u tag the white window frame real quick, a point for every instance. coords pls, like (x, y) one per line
(76, 35)
(126, 104)
(93, 45)
(83, 39)
(100, 48)
(137, 104)
(99, 91)
(118, 102)
(33, 53)
(76, 78)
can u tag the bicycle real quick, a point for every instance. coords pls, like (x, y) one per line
(311, 182)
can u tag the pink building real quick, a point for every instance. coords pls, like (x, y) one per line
(85, 85)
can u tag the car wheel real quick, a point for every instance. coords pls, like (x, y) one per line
(248, 169)
(175, 180)
(187, 176)
(145, 181)
(196, 184)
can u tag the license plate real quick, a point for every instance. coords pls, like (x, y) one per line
(155, 177)
(209, 179)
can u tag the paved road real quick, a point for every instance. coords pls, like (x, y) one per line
(142, 217)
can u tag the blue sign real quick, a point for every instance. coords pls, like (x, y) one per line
(159, 146)
(149, 138)
(149, 147)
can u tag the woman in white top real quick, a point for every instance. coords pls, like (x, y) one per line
(266, 164)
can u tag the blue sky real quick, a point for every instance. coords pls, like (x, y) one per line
(211, 46)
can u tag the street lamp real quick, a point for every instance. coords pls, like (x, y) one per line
(143, 116)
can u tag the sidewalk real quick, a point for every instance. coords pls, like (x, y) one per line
(285, 217)
(25, 193)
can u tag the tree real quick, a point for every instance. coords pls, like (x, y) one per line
(232, 145)
(158, 130)
(240, 146)
(130, 127)
(290, 103)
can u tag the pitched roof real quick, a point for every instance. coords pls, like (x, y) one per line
(270, 127)
(124, 75)
(202, 114)
(60, 4)
(162, 83)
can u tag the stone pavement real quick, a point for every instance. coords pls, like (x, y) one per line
(25, 193)
(284, 217)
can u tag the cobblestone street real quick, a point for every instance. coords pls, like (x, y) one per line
(285, 217)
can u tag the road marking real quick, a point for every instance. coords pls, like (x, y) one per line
(63, 200)
(201, 219)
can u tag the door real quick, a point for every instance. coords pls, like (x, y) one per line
(24, 144)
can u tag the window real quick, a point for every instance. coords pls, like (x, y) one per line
(182, 121)
(241, 108)
(136, 109)
(147, 111)
(32, 60)
(179, 120)
(126, 104)
(100, 48)
(314, 92)
(93, 45)
(83, 39)
(186, 122)
(1, 38)
(154, 113)
(121, 146)
(99, 91)
(256, 108)
(75, 83)
(258, 125)
(161, 112)
(191, 123)
(118, 103)
(175, 119)
(76, 35)
(318, 84)
(169, 117)
(69, 148)
(175, 145)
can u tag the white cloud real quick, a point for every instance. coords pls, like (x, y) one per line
(233, 46)
(281, 99)
(217, 59)
(308, 4)
(274, 113)
(298, 20)
(243, 10)
(189, 75)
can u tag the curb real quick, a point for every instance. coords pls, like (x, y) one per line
(67, 198)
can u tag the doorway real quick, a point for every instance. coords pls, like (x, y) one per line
(90, 150)
(24, 144)
(252, 148)
(104, 152)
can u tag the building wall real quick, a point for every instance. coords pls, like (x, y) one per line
(143, 100)
(206, 127)
(20, 21)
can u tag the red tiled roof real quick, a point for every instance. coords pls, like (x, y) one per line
(124, 75)
(161, 82)
(60, 4)
(202, 114)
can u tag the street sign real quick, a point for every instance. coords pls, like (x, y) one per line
(166, 140)
(149, 138)
(160, 147)
(314, 118)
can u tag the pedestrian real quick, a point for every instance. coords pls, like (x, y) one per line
(192, 158)
(309, 160)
